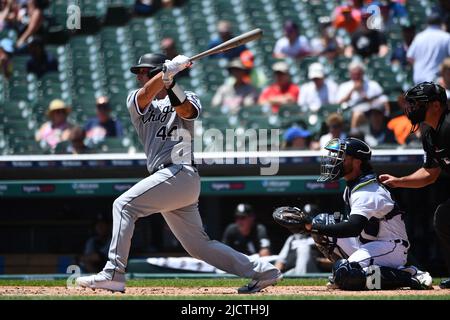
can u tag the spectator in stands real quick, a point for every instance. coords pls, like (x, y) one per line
(169, 48)
(147, 7)
(8, 14)
(96, 248)
(257, 76)
(367, 41)
(297, 138)
(225, 34)
(444, 79)
(283, 91)
(292, 45)
(319, 91)
(102, 126)
(399, 52)
(335, 125)
(425, 55)
(443, 7)
(298, 256)
(245, 235)
(378, 133)
(75, 144)
(400, 125)
(328, 44)
(360, 94)
(31, 23)
(346, 17)
(6, 51)
(237, 93)
(40, 61)
(58, 128)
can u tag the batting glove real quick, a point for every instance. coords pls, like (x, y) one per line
(177, 64)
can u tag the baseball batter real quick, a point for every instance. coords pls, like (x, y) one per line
(162, 113)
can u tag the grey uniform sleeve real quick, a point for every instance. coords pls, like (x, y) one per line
(195, 101)
(133, 107)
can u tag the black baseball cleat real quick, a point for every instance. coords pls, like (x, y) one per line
(445, 284)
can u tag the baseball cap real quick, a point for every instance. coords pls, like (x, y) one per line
(236, 64)
(316, 71)
(296, 132)
(243, 210)
(57, 104)
(280, 66)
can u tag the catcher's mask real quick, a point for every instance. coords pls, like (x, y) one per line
(332, 164)
(153, 61)
(417, 100)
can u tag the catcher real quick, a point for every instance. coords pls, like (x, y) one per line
(374, 236)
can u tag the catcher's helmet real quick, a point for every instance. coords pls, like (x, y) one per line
(332, 164)
(417, 99)
(153, 61)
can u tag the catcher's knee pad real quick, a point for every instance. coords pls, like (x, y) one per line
(348, 275)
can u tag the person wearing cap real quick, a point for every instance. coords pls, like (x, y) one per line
(367, 40)
(319, 91)
(346, 17)
(292, 45)
(335, 125)
(328, 44)
(296, 138)
(257, 76)
(6, 51)
(102, 126)
(57, 129)
(245, 235)
(283, 91)
(225, 34)
(426, 56)
(40, 61)
(377, 132)
(237, 93)
(360, 94)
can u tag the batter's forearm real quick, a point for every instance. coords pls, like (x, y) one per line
(149, 91)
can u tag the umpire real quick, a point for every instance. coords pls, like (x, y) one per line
(427, 106)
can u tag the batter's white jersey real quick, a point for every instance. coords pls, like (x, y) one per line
(157, 124)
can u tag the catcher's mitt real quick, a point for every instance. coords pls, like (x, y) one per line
(292, 218)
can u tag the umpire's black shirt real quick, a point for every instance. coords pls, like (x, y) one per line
(436, 144)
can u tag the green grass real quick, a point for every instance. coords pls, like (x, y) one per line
(169, 282)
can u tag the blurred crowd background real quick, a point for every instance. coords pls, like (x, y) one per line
(323, 69)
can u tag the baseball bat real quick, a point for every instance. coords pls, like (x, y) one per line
(230, 44)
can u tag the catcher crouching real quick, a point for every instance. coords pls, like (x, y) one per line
(369, 249)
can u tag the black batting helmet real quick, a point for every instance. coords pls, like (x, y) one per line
(153, 61)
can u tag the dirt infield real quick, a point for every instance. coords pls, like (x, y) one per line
(40, 291)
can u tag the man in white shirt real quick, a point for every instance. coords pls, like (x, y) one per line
(428, 49)
(319, 91)
(360, 94)
(292, 45)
